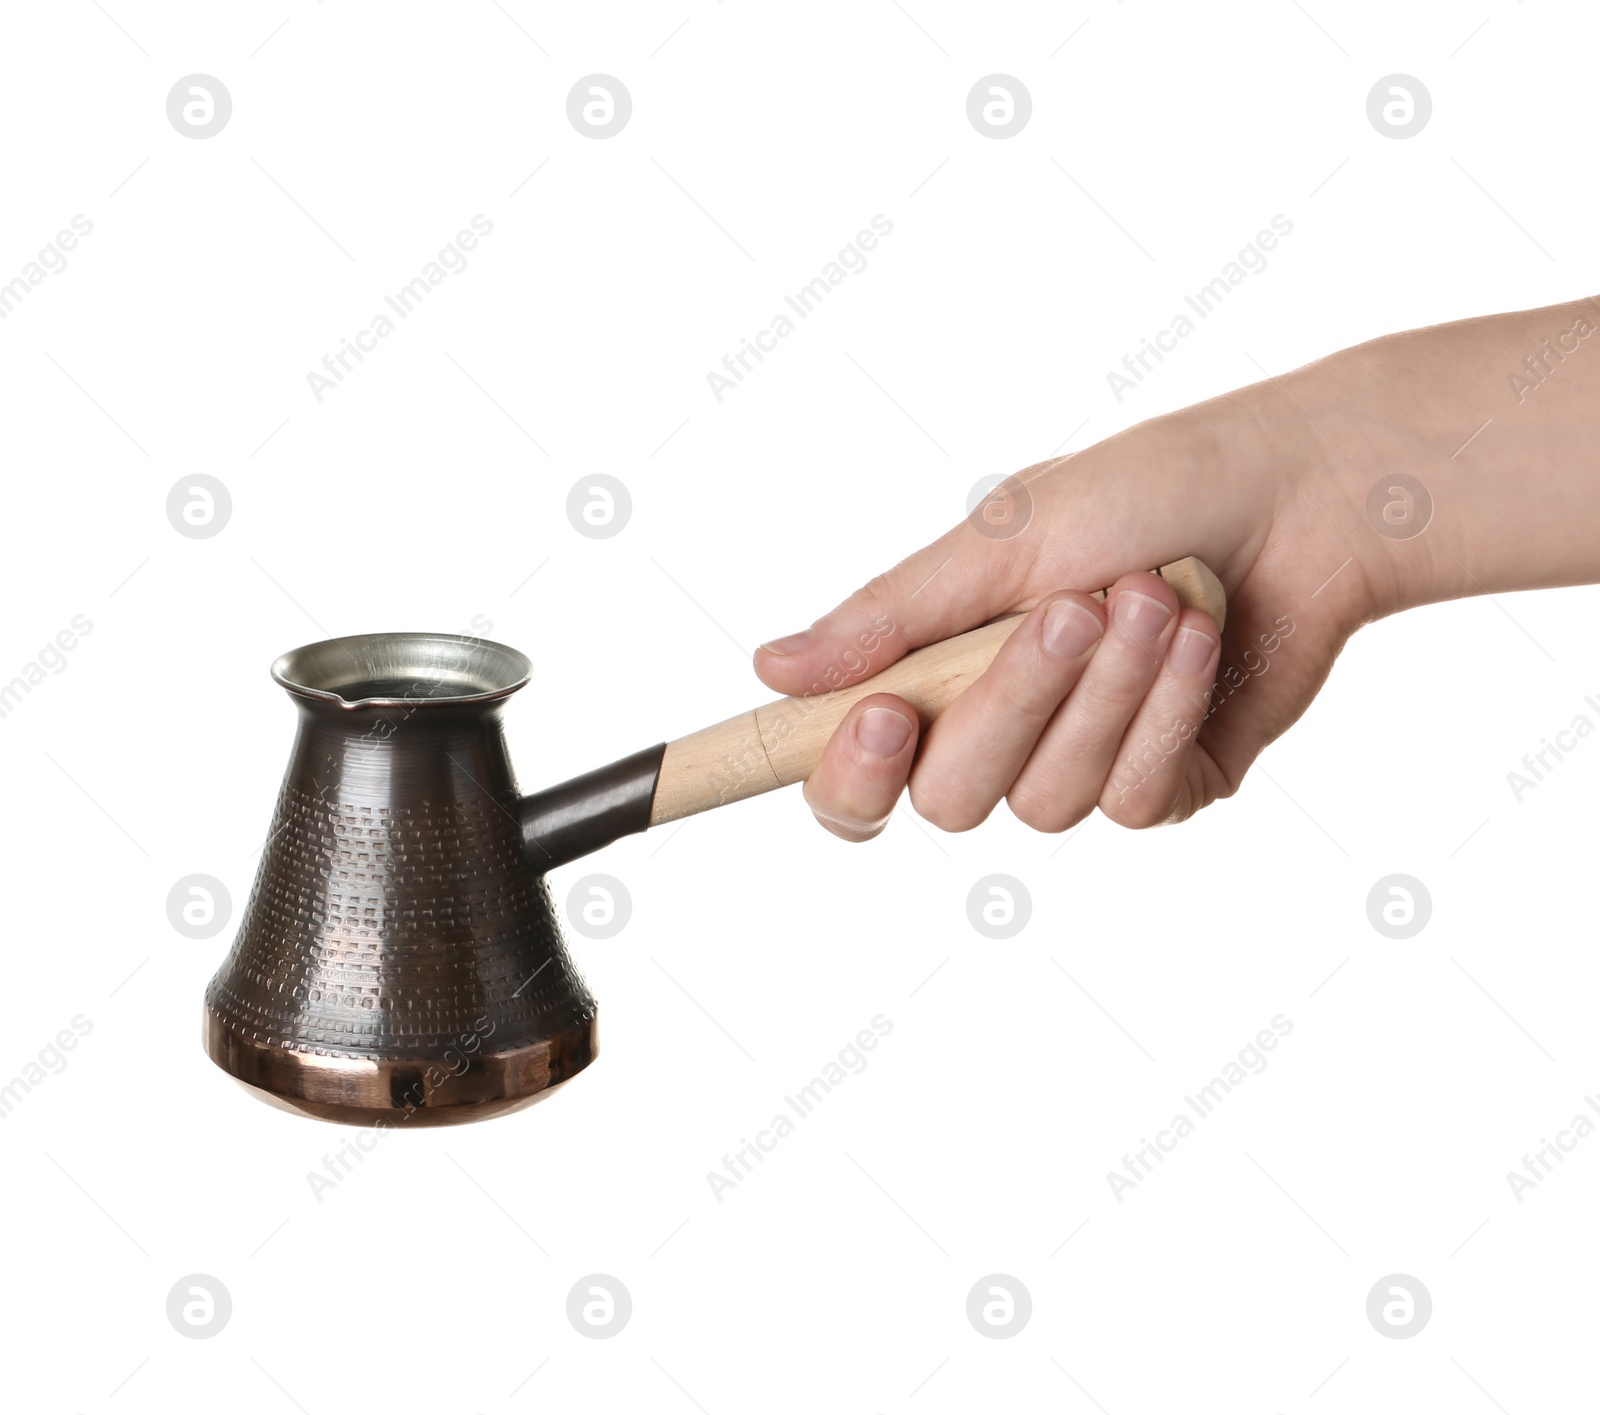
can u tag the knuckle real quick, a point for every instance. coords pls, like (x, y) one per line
(1138, 808)
(951, 811)
(1114, 684)
(1148, 787)
(1205, 783)
(1045, 812)
(875, 602)
(1024, 692)
(1151, 585)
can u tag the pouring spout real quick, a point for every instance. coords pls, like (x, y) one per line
(579, 816)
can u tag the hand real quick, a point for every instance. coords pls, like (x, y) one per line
(1085, 705)
(1280, 488)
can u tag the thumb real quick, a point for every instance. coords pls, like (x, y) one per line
(971, 574)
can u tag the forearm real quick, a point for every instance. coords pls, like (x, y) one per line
(1498, 419)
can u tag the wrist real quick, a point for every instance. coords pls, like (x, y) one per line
(1293, 437)
(1359, 449)
(1450, 469)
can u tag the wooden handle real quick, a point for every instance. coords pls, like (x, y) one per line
(781, 743)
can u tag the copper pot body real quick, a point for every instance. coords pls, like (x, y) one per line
(400, 958)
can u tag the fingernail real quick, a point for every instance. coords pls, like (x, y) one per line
(1140, 618)
(1069, 629)
(1191, 652)
(882, 732)
(793, 643)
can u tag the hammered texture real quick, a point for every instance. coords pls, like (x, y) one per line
(399, 925)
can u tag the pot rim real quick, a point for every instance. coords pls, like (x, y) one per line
(404, 669)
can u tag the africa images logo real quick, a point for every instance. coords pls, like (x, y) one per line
(851, 260)
(851, 1060)
(1205, 301)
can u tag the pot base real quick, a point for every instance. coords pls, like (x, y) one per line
(354, 1090)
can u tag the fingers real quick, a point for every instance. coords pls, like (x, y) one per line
(1065, 775)
(963, 579)
(976, 749)
(864, 767)
(1149, 780)
(1083, 705)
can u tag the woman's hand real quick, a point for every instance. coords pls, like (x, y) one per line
(1323, 499)
(1087, 705)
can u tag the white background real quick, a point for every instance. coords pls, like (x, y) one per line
(430, 485)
